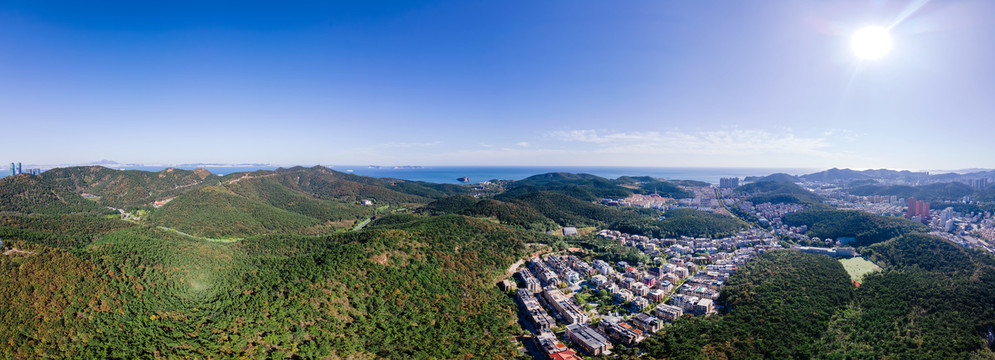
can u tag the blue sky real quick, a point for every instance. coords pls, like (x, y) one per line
(634, 83)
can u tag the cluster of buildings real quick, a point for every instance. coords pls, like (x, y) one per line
(654, 201)
(16, 169)
(772, 214)
(917, 210)
(678, 282)
(840, 251)
(705, 199)
(695, 250)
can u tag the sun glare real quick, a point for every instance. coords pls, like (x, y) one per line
(872, 42)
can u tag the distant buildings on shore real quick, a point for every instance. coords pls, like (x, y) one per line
(728, 183)
(15, 168)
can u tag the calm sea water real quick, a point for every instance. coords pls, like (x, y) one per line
(449, 174)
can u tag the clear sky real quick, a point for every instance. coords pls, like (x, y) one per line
(635, 83)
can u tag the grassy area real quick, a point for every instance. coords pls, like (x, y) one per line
(858, 267)
(361, 224)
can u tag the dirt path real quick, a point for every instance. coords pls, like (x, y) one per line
(232, 181)
(514, 267)
(17, 252)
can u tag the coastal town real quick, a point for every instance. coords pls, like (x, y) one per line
(595, 306)
(572, 307)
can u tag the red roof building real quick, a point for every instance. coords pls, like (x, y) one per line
(565, 355)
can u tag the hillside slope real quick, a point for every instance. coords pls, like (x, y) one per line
(31, 194)
(128, 188)
(414, 288)
(217, 212)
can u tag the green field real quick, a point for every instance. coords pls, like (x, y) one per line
(858, 267)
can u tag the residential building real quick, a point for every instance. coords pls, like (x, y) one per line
(549, 344)
(704, 307)
(656, 295)
(569, 312)
(622, 332)
(668, 312)
(588, 339)
(534, 311)
(647, 322)
(623, 295)
(599, 281)
(531, 283)
(603, 267)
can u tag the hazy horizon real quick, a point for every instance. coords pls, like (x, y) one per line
(449, 83)
(388, 166)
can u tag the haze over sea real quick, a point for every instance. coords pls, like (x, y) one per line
(450, 174)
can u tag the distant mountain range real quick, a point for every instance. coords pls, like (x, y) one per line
(842, 176)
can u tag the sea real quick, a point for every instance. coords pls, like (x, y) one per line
(478, 174)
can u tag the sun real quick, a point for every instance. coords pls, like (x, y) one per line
(872, 42)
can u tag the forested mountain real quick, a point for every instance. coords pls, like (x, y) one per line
(328, 184)
(135, 188)
(418, 281)
(934, 300)
(128, 188)
(835, 175)
(779, 303)
(867, 228)
(296, 200)
(551, 200)
(418, 288)
(590, 187)
(938, 191)
(217, 212)
(648, 185)
(31, 194)
(778, 192)
(681, 222)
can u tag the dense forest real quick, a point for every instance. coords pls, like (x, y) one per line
(418, 280)
(829, 223)
(28, 194)
(950, 191)
(933, 300)
(128, 189)
(588, 187)
(777, 304)
(682, 222)
(778, 192)
(217, 212)
(404, 288)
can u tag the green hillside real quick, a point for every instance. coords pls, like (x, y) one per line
(271, 192)
(648, 185)
(829, 223)
(778, 192)
(935, 300)
(418, 289)
(328, 184)
(939, 191)
(681, 222)
(779, 303)
(69, 231)
(129, 188)
(584, 187)
(217, 212)
(29, 194)
(508, 213)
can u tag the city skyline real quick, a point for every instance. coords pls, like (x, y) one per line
(505, 84)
